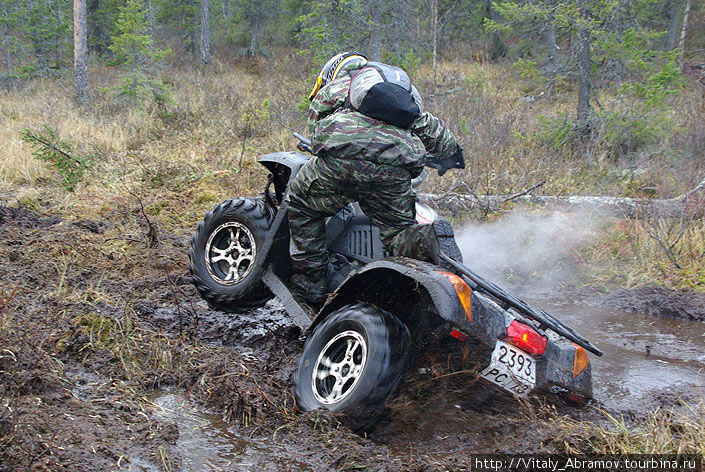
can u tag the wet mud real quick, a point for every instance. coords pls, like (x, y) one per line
(658, 301)
(111, 361)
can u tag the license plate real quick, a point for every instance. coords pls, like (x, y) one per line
(511, 369)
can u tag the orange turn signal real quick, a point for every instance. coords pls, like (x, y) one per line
(580, 361)
(463, 290)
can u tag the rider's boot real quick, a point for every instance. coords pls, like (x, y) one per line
(313, 292)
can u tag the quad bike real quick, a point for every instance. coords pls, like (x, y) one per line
(380, 308)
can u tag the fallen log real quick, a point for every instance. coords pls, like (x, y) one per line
(690, 204)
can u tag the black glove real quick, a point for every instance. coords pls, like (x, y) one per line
(456, 161)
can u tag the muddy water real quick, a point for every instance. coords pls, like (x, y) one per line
(644, 357)
(204, 438)
(209, 444)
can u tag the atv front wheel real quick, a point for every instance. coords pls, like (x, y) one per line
(225, 257)
(352, 363)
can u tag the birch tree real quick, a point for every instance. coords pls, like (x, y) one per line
(684, 30)
(585, 81)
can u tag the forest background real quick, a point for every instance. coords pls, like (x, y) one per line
(165, 106)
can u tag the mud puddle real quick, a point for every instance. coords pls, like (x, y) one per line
(645, 359)
(209, 444)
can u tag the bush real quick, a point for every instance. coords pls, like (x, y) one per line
(557, 132)
(626, 132)
(137, 87)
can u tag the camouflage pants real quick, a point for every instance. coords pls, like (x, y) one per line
(326, 185)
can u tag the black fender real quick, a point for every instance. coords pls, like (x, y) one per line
(283, 166)
(397, 285)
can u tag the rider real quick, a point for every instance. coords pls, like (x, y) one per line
(361, 159)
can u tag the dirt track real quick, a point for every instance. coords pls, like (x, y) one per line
(91, 326)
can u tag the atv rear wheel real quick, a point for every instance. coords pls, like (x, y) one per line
(225, 260)
(352, 363)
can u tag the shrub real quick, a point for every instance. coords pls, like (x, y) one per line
(556, 132)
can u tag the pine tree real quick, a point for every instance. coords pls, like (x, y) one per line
(132, 49)
(329, 27)
(80, 49)
(102, 19)
(9, 21)
(47, 23)
(625, 38)
(205, 43)
(183, 18)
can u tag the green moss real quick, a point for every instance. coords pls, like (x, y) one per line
(98, 328)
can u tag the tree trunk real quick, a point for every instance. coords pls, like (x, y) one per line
(96, 30)
(80, 49)
(5, 42)
(205, 33)
(585, 86)
(673, 13)
(56, 37)
(334, 23)
(375, 40)
(150, 18)
(685, 26)
(226, 9)
(434, 28)
(552, 47)
(252, 51)
(689, 205)
(8, 56)
(497, 46)
(37, 43)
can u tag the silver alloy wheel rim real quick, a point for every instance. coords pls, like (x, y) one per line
(339, 367)
(230, 253)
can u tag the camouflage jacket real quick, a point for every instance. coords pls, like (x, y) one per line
(338, 131)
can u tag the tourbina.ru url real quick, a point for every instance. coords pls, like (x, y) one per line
(529, 463)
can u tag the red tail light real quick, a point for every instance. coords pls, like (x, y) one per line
(526, 338)
(459, 335)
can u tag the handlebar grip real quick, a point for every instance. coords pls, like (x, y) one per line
(304, 148)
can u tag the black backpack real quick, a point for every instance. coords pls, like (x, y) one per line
(385, 93)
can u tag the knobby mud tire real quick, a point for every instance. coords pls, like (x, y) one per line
(387, 342)
(250, 292)
(446, 242)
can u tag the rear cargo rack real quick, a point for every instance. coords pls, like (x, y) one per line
(544, 318)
